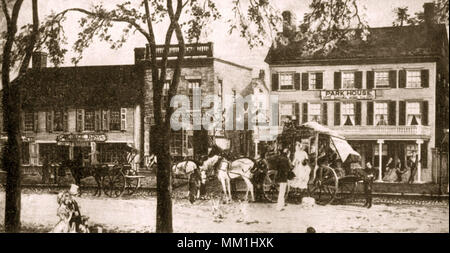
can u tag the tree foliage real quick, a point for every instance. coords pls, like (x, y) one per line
(403, 17)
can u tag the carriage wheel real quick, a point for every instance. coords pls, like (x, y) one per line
(132, 185)
(114, 184)
(324, 189)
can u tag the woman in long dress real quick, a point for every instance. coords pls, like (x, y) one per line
(64, 214)
(301, 168)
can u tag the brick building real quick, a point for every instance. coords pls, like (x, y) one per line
(385, 95)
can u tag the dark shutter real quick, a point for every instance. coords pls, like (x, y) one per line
(393, 79)
(65, 115)
(424, 78)
(358, 79)
(49, 121)
(297, 113)
(337, 80)
(392, 112)
(305, 81)
(324, 114)
(297, 81)
(424, 111)
(35, 122)
(98, 120)
(358, 113)
(402, 113)
(337, 114)
(402, 78)
(424, 154)
(319, 81)
(370, 79)
(22, 121)
(305, 112)
(369, 113)
(274, 82)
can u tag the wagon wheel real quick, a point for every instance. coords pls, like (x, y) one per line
(271, 187)
(114, 184)
(132, 185)
(324, 189)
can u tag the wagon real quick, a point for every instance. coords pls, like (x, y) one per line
(327, 151)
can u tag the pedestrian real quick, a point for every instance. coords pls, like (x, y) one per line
(368, 178)
(390, 175)
(412, 164)
(258, 179)
(283, 168)
(301, 168)
(77, 221)
(400, 170)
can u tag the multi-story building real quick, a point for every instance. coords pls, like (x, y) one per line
(199, 69)
(92, 111)
(384, 94)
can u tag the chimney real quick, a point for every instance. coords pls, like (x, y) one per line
(39, 60)
(289, 22)
(261, 74)
(428, 11)
(139, 54)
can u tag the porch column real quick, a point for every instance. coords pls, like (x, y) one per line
(256, 148)
(380, 160)
(419, 162)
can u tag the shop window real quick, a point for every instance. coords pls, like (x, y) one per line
(348, 80)
(348, 114)
(25, 153)
(29, 121)
(286, 81)
(112, 152)
(411, 149)
(381, 114)
(314, 113)
(53, 152)
(413, 79)
(89, 120)
(413, 115)
(114, 120)
(381, 79)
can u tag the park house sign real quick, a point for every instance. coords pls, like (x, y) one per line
(81, 138)
(360, 94)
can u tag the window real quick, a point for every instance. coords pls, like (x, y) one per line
(176, 143)
(286, 81)
(29, 121)
(53, 152)
(348, 80)
(413, 79)
(312, 81)
(381, 114)
(111, 152)
(58, 121)
(165, 92)
(382, 79)
(348, 114)
(314, 113)
(114, 120)
(25, 153)
(192, 84)
(286, 112)
(413, 115)
(89, 120)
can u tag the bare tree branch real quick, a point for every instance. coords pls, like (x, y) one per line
(5, 11)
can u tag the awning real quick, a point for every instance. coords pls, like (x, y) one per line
(344, 150)
(321, 129)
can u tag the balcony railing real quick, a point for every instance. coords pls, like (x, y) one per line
(199, 50)
(389, 131)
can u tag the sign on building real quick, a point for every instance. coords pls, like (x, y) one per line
(360, 94)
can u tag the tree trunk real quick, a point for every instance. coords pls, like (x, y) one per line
(163, 183)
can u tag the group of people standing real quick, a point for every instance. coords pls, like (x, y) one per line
(395, 171)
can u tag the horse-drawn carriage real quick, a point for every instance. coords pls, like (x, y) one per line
(331, 159)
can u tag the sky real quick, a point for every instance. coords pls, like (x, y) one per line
(228, 47)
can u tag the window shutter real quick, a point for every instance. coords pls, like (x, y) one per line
(80, 120)
(369, 113)
(358, 79)
(393, 79)
(358, 113)
(402, 113)
(337, 80)
(105, 120)
(370, 79)
(274, 82)
(324, 114)
(49, 121)
(65, 121)
(98, 120)
(424, 112)
(424, 155)
(22, 121)
(402, 78)
(35, 122)
(305, 112)
(297, 81)
(305, 81)
(337, 114)
(297, 113)
(319, 81)
(424, 78)
(123, 119)
(392, 112)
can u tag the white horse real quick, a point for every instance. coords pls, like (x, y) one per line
(241, 167)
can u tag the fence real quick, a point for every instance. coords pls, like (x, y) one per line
(440, 169)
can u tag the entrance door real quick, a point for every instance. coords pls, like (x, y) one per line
(83, 152)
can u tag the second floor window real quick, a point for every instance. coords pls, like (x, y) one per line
(192, 85)
(413, 115)
(58, 121)
(314, 113)
(312, 81)
(29, 121)
(413, 79)
(381, 79)
(89, 120)
(348, 114)
(114, 120)
(286, 82)
(348, 80)
(381, 114)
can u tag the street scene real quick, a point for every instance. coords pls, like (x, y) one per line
(204, 116)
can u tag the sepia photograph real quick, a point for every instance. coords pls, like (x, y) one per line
(228, 117)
